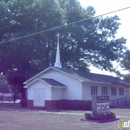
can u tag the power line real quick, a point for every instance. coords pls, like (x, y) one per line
(29, 35)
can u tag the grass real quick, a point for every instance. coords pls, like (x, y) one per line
(40, 120)
(34, 120)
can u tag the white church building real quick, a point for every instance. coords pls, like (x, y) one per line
(46, 88)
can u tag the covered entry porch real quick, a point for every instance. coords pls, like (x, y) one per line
(44, 93)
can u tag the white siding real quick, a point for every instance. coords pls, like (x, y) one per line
(57, 93)
(39, 84)
(100, 90)
(112, 97)
(127, 92)
(74, 88)
(86, 91)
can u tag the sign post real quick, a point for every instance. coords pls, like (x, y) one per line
(100, 104)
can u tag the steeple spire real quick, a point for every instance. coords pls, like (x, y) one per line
(57, 61)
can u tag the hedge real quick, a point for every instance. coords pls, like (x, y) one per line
(24, 102)
(68, 104)
(74, 105)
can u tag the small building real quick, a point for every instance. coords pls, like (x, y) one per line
(57, 83)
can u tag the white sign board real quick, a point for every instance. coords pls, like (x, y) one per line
(102, 107)
(100, 104)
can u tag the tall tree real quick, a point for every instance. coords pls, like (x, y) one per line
(125, 63)
(82, 43)
(4, 86)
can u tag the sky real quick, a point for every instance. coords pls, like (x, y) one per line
(105, 6)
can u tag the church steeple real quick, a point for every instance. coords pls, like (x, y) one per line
(57, 60)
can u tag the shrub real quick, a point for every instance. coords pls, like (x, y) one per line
(88, 116)
(24, 102)
(74, 105)
(100, 116)
(1, 97)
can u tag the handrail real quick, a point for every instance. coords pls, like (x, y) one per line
(118, 98)
(120, 102)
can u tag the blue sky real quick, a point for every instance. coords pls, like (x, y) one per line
(105, 6)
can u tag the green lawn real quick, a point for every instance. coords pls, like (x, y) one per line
(62, 120)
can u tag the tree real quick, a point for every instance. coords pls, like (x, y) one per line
(82, 43)
(16, 80)
(4, 86)
(125, 63)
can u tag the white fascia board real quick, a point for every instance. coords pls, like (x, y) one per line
(36, 75)
(26, 82)
(37, 79)
(78, 78)
(26, 86)
(96, 82)
(59, 87)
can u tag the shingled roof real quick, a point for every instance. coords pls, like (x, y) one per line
(94, 77)
(82, 75)
(53, 82)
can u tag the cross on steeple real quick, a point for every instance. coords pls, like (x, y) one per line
(57, 60)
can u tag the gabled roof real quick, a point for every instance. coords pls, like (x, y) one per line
(95, 77)
(37, 75)
(82, 76)
(53, 82)
(54, 68)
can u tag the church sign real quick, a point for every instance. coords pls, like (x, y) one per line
(100, 104)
